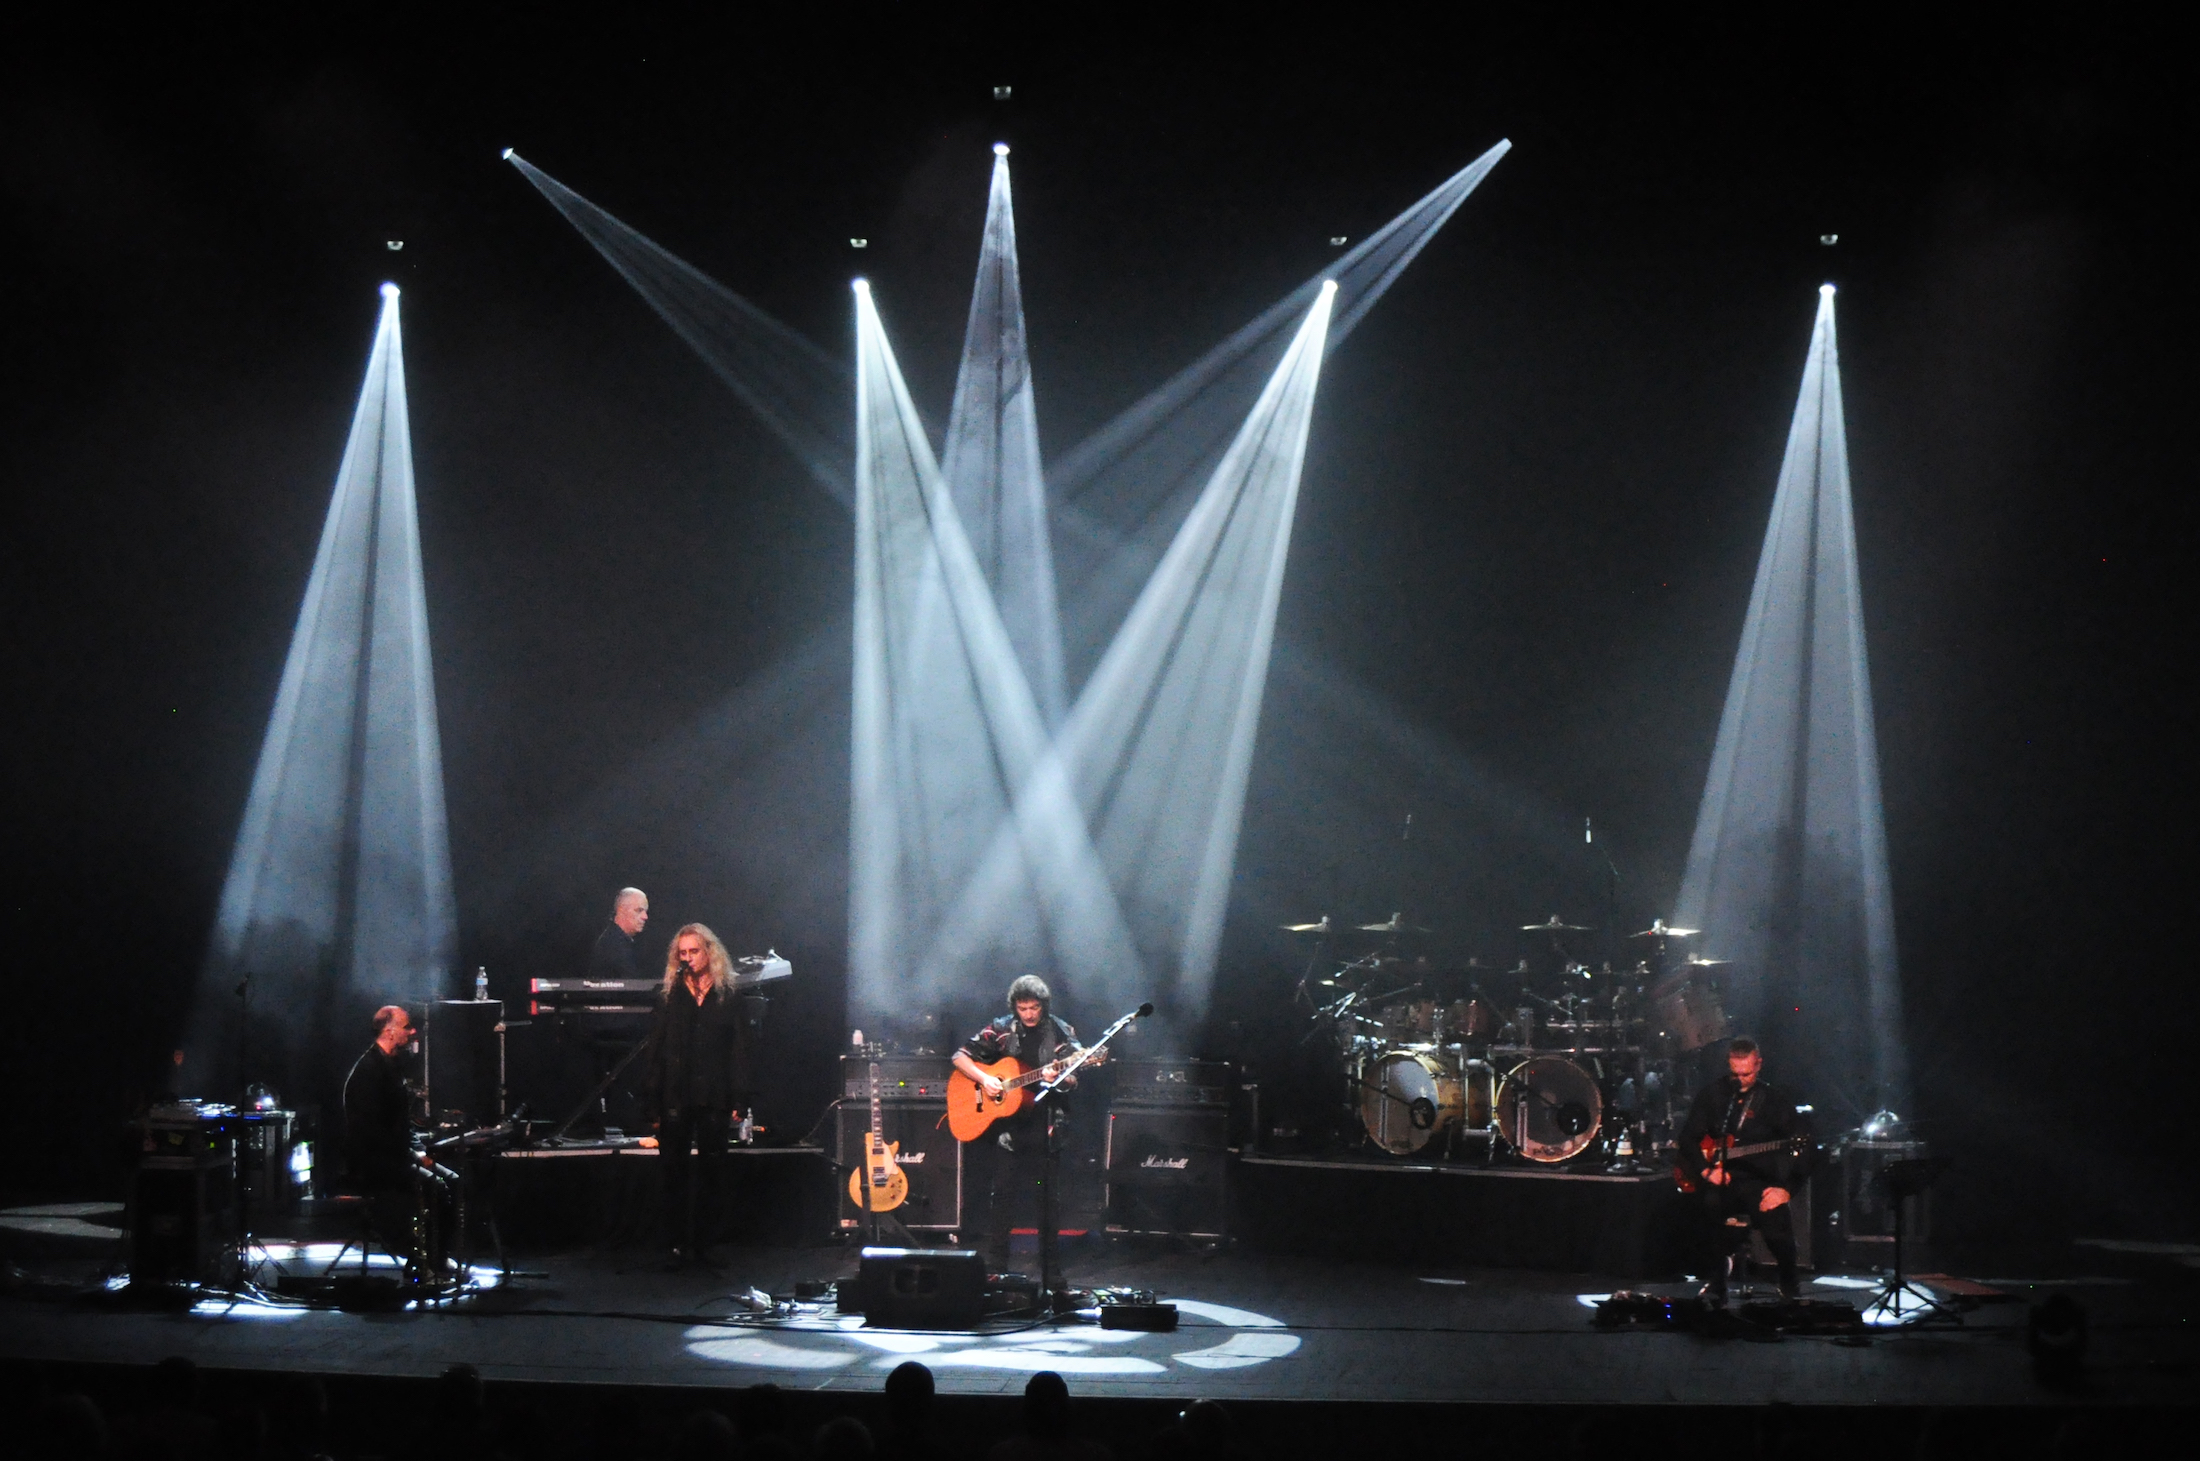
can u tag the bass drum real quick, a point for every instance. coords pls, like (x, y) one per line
(1549, 1109)
(1409, 1098)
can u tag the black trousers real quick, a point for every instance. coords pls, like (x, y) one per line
(1009, 1180)
(691, 1141)
(404, 1212)
(1718, 1239)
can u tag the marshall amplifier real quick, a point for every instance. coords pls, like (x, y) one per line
(1171, 1083)
(929, 1157)
(1168, 1170)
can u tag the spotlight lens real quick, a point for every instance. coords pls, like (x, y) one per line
(1000, 149)
(389, 291)
(1825, 289)
(859, 243)
(506, 154)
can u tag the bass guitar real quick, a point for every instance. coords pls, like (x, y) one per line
(1717, 1152)
(879, 1185)
(970, 1110)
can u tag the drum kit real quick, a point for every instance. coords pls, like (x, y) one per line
(1579, 1065)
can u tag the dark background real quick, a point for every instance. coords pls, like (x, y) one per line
(1539, 477)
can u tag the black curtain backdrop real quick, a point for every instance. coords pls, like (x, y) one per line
(1538, 480)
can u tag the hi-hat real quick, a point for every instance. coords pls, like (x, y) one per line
(1700, 963)
(1659, 929)
(1556, 925)
(1322, 927)
(1397, 924)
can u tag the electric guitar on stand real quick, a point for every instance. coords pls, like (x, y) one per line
(879, 1185)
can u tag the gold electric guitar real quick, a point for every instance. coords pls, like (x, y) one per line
(879, 1185)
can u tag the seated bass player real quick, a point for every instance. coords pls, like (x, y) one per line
(1743, 1146)
(1007, 1157)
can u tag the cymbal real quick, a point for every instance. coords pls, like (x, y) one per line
(1321, 927)
(1556, 925)
(1397, 924)
(1658, 929)
(1696, 963)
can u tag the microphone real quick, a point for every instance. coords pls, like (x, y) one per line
(1145, 1009)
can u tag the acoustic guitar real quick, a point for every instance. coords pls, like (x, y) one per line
(970, 1110)
(879, 1185)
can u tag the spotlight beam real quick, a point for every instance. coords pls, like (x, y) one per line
(339, 884)
(991, 458)
(1787, 872)
(1156, 751)
(795, 389)
(945, 727)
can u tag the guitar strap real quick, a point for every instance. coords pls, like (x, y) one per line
(1737, 1112)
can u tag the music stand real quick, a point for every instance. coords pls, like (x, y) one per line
(1899, 1302)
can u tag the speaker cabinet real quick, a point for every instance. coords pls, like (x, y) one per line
(929, 1157)
(183, 1223)
(922, 1288)
(1168, 1171)
(465, 1063)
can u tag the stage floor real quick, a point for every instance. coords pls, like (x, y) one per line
(1254, 1327)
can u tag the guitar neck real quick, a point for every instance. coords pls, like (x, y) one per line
(1755, 1148)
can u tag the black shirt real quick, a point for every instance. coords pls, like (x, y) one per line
(377, 1135)
(691, 1055)
(1722, 1109)
(613, 957)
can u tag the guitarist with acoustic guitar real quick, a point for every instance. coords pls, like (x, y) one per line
(1743, 1144)
(990, 1107)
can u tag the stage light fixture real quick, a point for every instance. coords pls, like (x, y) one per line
(1002, 93)
(1829, 239)
(389, 291)
(1000, 149)
(393, 245)
(507, 154)
(1338, 240)
(859, 243)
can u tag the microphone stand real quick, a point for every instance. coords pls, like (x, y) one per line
(1054, 1296)
(597, 1094)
